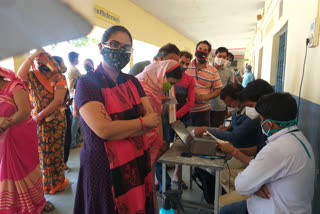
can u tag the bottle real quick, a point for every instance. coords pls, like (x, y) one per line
(166, 207)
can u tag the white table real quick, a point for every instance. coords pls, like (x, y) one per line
(173, 156)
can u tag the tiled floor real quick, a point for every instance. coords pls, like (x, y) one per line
(64, 201)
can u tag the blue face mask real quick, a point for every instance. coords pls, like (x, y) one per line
(283, 124)
(116, 58)
(160, 54)
(247, 70)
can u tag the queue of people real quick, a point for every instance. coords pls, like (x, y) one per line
(127, 120)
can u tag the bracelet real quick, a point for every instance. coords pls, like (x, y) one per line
(142, 123)
(236, 153)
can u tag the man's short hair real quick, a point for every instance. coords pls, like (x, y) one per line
(221, 50)
(72, 56)
(186, 54)
(249, 67)
(231, 90)
(230, 55)
(205, 42)
(255, 90)
(277, 106)
(168, 49)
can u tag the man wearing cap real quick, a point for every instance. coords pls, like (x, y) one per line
(248, 76)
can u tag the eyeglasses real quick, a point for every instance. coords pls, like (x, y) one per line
(117, 45)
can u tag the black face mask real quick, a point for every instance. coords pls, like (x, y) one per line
(201, 56)
(44, 69)
(88, 68)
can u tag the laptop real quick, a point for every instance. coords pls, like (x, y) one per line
(204, 145)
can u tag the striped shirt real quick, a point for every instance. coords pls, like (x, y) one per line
(206, 80)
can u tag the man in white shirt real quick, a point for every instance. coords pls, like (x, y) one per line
(218, 107)
(73, 73)
(72, 76)
(281, 177)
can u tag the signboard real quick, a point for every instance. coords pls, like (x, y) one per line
(105, 15)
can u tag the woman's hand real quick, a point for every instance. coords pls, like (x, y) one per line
(199, 131)
(37, 53)
(227, 148)
(151, 120)
(38, 118)
(4, 124)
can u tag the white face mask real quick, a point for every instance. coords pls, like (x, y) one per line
(233, 110)
(227, 64)
(251, 113)
(219, 61)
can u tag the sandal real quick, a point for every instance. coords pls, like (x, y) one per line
(66, 168)
(48, 207)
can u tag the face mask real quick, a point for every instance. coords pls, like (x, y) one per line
(44, 69)
(227, 64)
(219, 61)
(88, 68)
(247, 70)
(160, 54)
(251, 113)
(116, 58)
(233, 110)
(63, 69)
(201, 56)
(167, 86)
(283, 124)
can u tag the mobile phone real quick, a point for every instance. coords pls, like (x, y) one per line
(186, 154)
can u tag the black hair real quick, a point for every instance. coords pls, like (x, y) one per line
(1, 77)
(231, 55)
(58, 59)
(277, 106)
(255, 90)
(222, 50)
(231, 90)
(90, 60)
(168, 49)
(205, 42)
(175, 73)
(113, 29)
(186, 54)
(72, 56)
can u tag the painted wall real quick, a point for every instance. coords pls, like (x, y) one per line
(143, 26)
(297, 16)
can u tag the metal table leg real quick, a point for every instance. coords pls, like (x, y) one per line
(164, 177)
(217, 190)
(190, 177)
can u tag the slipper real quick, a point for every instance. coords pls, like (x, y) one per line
(48, 207)
(66, 168)
(183, 185)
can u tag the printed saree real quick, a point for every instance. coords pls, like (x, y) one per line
(21, 188)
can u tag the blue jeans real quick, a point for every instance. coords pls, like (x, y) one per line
(235, 208)
(75, 136)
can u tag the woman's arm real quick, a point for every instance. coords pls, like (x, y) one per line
(92, 114)
(23, 71)
(58, 100)
(21, 99)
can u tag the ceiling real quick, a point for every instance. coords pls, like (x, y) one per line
(228, 23)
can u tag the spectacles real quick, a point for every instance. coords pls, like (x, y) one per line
(117, 45)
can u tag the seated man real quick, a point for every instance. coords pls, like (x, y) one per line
(243, 132)
(281, 177)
